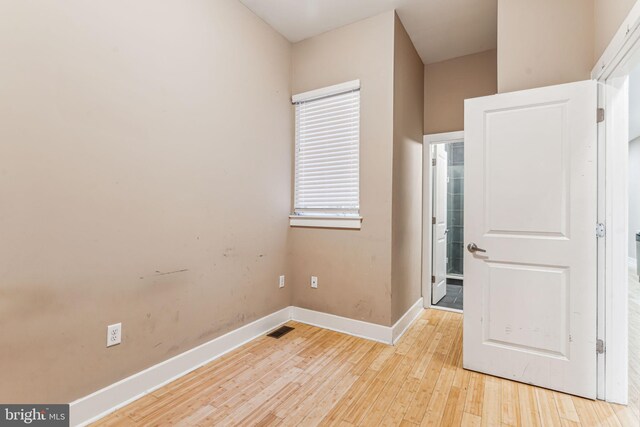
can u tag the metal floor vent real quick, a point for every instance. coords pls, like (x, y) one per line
(282, 330)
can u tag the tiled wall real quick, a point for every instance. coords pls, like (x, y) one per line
(455, 205)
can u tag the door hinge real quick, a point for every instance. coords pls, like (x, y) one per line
(600, 115)
(433, 279)
(601, 230)
(433, 162)
(600, 348)
(433, 220)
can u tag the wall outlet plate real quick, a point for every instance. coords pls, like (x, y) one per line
(314, 282)
(282, 281)
(114, 334)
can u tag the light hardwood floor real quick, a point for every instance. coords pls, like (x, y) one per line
(313, 376)
(634, 341)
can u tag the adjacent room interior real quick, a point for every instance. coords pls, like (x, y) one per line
(314, 212)
(448, 223)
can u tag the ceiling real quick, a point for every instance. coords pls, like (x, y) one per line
(439, 29)
(634, 104)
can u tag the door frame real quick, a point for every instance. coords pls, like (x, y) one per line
(611, 71)
(439, 184)
(427, 209)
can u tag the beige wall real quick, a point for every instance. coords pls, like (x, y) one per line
(138, 139)
(408, 103)
(447, 84)
(544, 42)
(353, 266)
(609, 15)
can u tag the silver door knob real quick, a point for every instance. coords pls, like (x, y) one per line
(473, 248)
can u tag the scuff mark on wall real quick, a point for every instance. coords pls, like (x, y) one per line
(73, 240)
(173, 349)
(160, 273)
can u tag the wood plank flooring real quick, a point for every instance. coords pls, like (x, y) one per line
(313, 376)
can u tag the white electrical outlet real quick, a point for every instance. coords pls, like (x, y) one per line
(114, 334)
(314, 282)
(282, 281)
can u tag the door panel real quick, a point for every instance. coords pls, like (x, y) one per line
(439, 285)
(542, 208)
(530, 202)
(545, 290)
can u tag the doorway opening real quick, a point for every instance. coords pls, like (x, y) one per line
(447, 201)
(618, 75)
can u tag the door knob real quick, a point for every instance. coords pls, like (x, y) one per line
(473, 248)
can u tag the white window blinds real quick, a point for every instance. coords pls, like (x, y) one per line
(327, 154)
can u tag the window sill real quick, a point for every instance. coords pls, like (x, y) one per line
(352, 223)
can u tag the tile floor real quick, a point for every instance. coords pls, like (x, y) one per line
(454, 296)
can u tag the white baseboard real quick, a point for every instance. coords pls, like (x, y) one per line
(97, 405)
(406, 320)
(358, 328)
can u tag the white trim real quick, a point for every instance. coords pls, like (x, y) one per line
(371, 331)
(326, 91)
(453, 310)
(427, 226)
(99, 404)
(407, 319)
(611, 71)
(357, 328)
(622, 43)
(602, 253)
(613, 265)
(354, 223)
(427, 205)
(443, 138)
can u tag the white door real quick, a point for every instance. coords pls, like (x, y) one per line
(530, 202)
(439, 280)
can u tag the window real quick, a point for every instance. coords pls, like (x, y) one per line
(327, 157)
